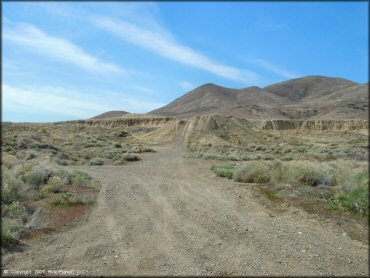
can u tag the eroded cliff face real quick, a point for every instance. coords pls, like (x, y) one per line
(319, 125)
(207, 123)
(126, 121)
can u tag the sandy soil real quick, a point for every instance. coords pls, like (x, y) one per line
(167, 215)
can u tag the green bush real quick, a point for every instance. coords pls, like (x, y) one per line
(130, 157)
(62, 162)
(87, 200)
(61, 200)
(35, 179)
(66, 177)
(96, 162)
(306, 173)
(69, 199)
(14, 210)
(13, 189)
(8, 160)
(148, 150)
(9, 231)
(225, 171)
(31, 155)
(256, 171)
(54, 185)
(80, 178)
(39, 175)
(355, 200)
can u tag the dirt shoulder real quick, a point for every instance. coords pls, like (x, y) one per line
(167, 215)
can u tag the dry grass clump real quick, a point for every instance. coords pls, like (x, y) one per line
(96, 162)
(344, 184)
(130, 157)
(304, 173)
(225, 171)
(13, 188)
(69, 199)
(9, 160)
(256, 172)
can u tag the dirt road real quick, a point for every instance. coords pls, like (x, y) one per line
(167, 215)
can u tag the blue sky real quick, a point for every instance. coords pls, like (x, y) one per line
(64, 61)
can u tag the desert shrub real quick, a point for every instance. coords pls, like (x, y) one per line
(121, 134)
(277, 175)
(260, 148)
(256, 171)
(62, 200)
(112, 153)
(39, 175)
(355, 200)
(9, 231)
(54, 185)
(87, 200)
(65, 176)
(225, 171)
(287, 158)
(9, 160)
(93, 140)
(349, 174)
(130, 157)
(304, 173)
(7, 148)
(62, 162)
(210, 156)
(69, 199)
(35, 179)
(24, 143)
(80, 178)
(31, 155)
(14, 210)
(147, 150)
(96, 162)
(13, 189)
(46, 146)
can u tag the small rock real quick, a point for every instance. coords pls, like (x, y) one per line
(299, 233)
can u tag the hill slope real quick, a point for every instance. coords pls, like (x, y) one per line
(110, 114)
(311, 97)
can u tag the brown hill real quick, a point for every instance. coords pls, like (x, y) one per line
(311, 97)
(310, 86)
(250, 102)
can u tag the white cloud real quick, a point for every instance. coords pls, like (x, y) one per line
(60, 101)
(186, 85)
(33, 39)
(162, 43)
(145, 90)
(274, 68)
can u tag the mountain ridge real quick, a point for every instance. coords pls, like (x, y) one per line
(310, 97)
